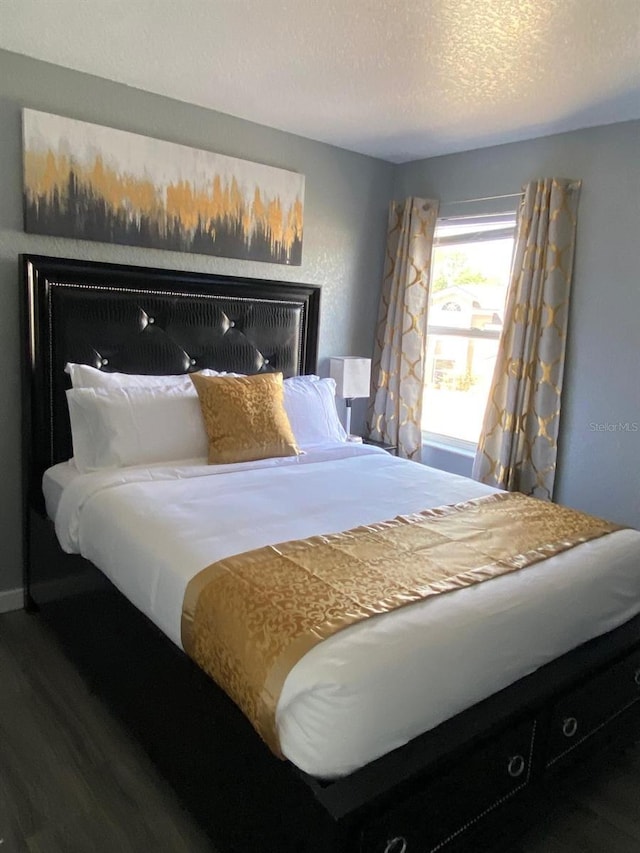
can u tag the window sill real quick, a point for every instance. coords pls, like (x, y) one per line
(449, 444)
(468, 452)
(454, 458)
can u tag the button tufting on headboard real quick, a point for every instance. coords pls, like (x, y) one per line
(138, 320)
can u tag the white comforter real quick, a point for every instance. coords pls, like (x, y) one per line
(376, 685)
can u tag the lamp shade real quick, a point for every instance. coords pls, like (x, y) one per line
(352, 375)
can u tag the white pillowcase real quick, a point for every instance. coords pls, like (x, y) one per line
(135, 426)
(120, 419)
(85, 376)
(310, 404)
(303, 379)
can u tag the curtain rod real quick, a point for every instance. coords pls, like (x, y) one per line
(485, 198)
(469, 217)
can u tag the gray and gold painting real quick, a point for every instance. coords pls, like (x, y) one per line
(90, 182)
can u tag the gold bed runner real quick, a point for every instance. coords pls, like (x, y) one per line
(248, 619)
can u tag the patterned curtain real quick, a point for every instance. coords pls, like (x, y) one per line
(519, 441)
(399, 358)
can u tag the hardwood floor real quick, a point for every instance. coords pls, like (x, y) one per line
(595, 809)
(73, 781)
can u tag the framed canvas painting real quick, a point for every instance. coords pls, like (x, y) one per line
(90, 182)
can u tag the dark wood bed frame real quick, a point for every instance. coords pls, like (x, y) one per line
(443, 791)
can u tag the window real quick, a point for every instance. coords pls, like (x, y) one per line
(470, 275)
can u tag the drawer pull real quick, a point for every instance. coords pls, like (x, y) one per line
(516, 766)
(396, 845)
(636, 677)
(569, 727)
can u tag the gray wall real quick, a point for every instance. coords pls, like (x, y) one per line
(345, 218)
(598, 471)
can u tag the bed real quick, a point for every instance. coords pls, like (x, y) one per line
(377, 760)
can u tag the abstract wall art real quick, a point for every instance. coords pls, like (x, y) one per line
(90, 182)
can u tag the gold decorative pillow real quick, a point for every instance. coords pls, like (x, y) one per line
(244, 417)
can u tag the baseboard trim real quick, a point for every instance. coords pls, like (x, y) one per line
(11, 599)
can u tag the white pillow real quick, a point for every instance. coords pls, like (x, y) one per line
(135, 426)
(310, 404)
(85, 376)
(115, 424)
(303, 379)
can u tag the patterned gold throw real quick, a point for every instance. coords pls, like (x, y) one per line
(248, 619)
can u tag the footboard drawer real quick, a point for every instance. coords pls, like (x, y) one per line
(442, 809)
(585, 711)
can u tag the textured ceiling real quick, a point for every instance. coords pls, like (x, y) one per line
(398, 79)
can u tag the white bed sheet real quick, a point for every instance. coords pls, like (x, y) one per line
(374, 686)
(54, 482)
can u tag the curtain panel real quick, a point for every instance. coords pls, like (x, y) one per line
(519, 441)
(395, 413)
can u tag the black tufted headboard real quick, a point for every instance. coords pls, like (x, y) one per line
(140, 320)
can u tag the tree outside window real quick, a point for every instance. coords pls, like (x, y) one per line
(471, 264)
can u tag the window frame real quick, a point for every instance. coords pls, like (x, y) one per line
(508, 219)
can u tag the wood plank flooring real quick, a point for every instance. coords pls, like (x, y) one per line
(72, 780)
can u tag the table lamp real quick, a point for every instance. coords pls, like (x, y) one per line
(353, 379)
